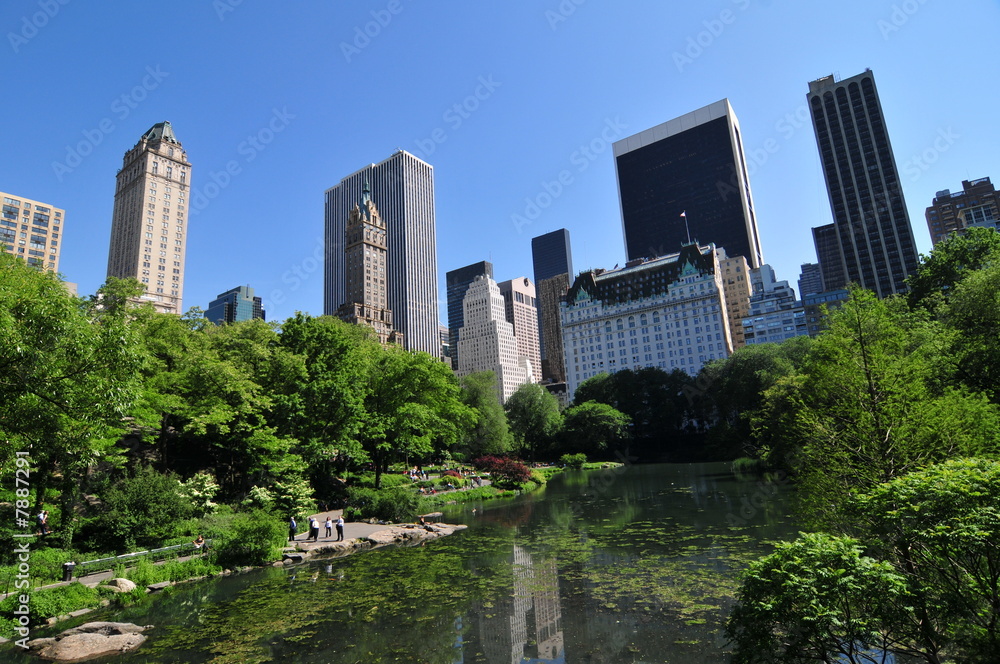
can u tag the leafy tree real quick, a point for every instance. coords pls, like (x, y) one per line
(534, 418)
(595, 429)
(489, 433)
(950, 262)
(974, 312)
(142, 510)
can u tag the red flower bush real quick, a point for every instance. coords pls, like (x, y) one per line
(502, 469)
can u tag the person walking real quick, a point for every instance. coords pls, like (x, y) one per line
(313, 529)
(43, 522)
(329, 527)
(292, 528)
(340, 528)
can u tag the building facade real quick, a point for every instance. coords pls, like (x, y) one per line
(976, 205)
(405, 186)
(736, 283)
(236, 305)
(551, 293)
(365, 264)
(874, 240)
(486, 340)
(521, 309)
(457, 282)
(818, 305)
(692, 166)
(775, 314)
(149, 222)
(810, 279)
(667, 312)
(551, 255)
(31, 230)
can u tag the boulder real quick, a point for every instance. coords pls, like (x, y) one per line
(121, 585)
(96, 639)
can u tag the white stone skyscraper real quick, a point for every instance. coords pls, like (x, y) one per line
(149, 222)
(405, 187)
(521, 308)
(486, 340)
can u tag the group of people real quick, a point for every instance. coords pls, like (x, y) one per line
(314, 528)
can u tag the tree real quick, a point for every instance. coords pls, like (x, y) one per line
(595, 429)
(974, 312)
(489, 433)
(534, 419)
(951, 261)
(141, 510)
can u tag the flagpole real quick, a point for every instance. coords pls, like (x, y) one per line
(686, 227)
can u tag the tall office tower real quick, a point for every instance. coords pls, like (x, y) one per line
(736, 285)
(550, 256)
(810, 280)
(873, 234)
(550, 297)
(667, 312)
(365, 302)
(828, 255)
(775, 314)
(457, 283)
(148, 226)
(521, 309)
(235, 305)
(405, 187)
(31, 230)
(976, 205)
(486, 340)
(693, 164)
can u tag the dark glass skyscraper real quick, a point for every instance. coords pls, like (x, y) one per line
(457, 283)
(235, 305)
(550, 257)
(693, 164)
(874, 239)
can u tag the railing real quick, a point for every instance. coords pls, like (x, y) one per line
(102, 564)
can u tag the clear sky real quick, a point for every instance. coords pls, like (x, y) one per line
(499, 97)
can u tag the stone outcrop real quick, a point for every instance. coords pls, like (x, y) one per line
(121, 585)
(412, 533)
(95, 639)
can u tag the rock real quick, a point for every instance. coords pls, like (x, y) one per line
(96, 639)
(121, 585)
(159, 586)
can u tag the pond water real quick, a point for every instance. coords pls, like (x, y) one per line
(636, 564)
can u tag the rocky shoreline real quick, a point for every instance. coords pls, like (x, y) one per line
(406, 534)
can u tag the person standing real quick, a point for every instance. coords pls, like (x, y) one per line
(340, 528)
(43, 522)
(329, 527)
(313, 529)
(292, 527)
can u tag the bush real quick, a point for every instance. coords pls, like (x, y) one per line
(389, 480)
(397, 505)
(503, 472)
(141, 510)
(52, 602)
(451, 473)
(457, 482)
(256, 538)
(573, 460)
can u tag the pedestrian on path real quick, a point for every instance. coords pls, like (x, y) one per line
(292, 528)
(313, 529)
(340, 528)
(43, 522)
(329, 527)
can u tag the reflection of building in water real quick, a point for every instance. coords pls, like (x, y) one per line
(530, 614)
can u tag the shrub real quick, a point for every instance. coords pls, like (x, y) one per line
(573, 460)
(141, 510)
(398, 504)
(256, 538)
(503, 471)
(457, 482)
(53, 602)
(451, 473)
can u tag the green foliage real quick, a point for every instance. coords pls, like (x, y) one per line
(951, 261)
(141, 510)
(52, 602)
(974, 312)
(490, 432)
(256, 538)
(534, 419)
(595, 429)
(367, 480)
(575, 461)
(395, 505)
(200, 489)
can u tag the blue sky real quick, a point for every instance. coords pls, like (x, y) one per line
(500, 98)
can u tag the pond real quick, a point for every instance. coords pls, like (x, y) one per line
(635, 564)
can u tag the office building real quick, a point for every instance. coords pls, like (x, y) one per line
(976, 205)
(457, 282)
(235, 305)
(775, 314)
(31, 230)
(405, 190)
(736, 284)
(521, 309)
(874, 240)
(486, 340)
(365, 262)
(551, 292)
(810, 279)
(667, 312)
(818, 305)
(692, 166)
(550, 256)
(828, 256)
(149, 222)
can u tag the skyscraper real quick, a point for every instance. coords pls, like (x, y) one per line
(810, 280)
(550, 257)
(237, 304)
(550, 295)
(521, 309)
(148, 225)
(457, 282)
(978, 204)
(365, 259)
(693, 166)
(405, 186)
(828, 255)
(874, 239)
(31, 230)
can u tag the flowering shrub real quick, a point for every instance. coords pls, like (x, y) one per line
(503, 471)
